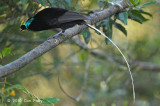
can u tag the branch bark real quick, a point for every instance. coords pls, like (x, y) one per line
(51, 43)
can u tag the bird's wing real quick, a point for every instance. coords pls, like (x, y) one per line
(71, 16)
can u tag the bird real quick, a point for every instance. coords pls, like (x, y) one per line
(51, 18)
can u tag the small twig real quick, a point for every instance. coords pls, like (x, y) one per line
(110, 77)
(64, 90)
(84, 82)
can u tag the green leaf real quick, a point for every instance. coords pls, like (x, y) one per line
(136, 2)
(49, 100)
(1, 56)
(132, 1)
(51, 2)
(107, 29)
(100, 4)
(125, 103)
(121, 28)
(136, 16)
(98, 25)
(86, 35)
(83, 56)
(42, 2)
(6, 51)
(93, 104)
(26, 91)
(123, 17)
(24, 1)
(146, 13)
(147, 4)
(139, 2)
(12, 87)
(68, 1)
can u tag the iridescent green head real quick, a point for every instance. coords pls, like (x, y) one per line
(23, 27)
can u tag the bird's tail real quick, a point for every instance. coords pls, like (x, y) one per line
(120, 53)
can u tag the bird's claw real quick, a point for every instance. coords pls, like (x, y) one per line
(56, 35)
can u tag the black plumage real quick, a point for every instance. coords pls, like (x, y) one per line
(53, 18)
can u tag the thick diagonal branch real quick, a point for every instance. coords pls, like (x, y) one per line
(51, 43)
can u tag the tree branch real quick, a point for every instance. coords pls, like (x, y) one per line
(138, 64)
(51, 43)
(147, 66)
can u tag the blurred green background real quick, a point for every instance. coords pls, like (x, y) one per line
(97, 81)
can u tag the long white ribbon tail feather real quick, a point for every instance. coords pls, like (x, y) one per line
(120, 53)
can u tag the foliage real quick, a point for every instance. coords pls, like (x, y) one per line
(8, 96)
(5, 52)
(7, 93)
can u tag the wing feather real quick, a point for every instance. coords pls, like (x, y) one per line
(70, 16)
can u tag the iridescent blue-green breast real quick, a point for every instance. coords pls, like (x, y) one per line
(28, 22)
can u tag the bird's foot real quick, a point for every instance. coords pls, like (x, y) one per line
(56, 35)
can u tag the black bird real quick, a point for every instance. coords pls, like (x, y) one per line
(53, 18)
